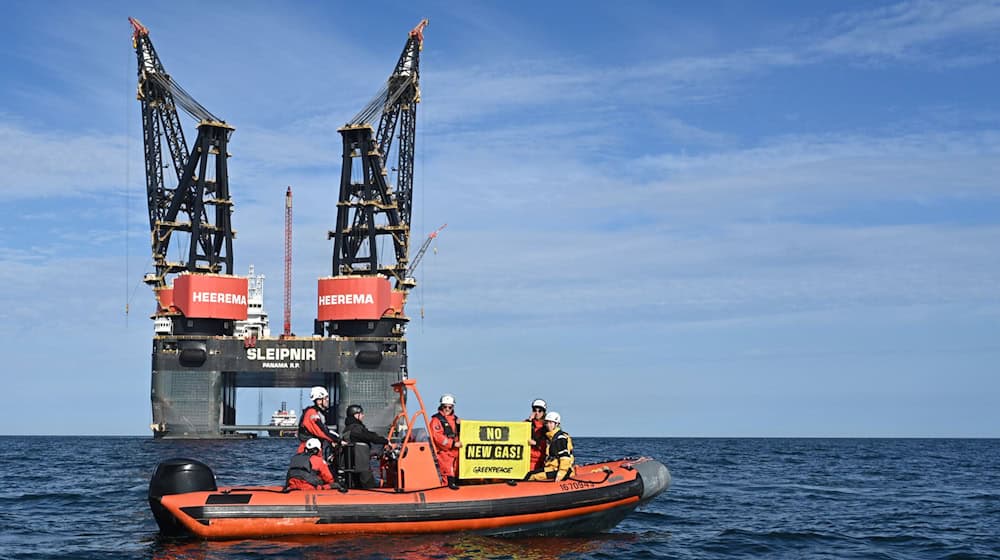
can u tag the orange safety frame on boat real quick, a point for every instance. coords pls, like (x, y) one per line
(416, 467)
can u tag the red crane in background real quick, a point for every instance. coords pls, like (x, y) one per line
(288, 262)
(423, 249)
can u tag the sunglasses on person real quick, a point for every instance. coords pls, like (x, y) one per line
(449, 406)
(538, 409)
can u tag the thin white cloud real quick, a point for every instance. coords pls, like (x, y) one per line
(806, 173)
(683, 133)
(43, 164)
(753, 270)
(908, 30)
(782, 178)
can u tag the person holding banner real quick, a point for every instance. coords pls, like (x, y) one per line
(559, 460)
(445, 426)
(537, 441)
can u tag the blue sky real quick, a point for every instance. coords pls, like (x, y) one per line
(667, 219)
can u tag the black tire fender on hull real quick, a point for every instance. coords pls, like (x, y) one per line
(177, 476)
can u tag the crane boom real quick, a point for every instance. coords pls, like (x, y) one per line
(199, 206)
(370, 209)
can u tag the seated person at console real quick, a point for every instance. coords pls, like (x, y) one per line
(364, 441)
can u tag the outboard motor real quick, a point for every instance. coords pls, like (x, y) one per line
(177, 476)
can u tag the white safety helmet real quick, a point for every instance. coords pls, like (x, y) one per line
(539, 403)
(318, 393)
(553, 417)
(447, 398)
(313, 444)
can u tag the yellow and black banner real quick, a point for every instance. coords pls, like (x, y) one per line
(494, 450)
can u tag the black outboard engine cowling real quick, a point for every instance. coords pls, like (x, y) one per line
(177, 476)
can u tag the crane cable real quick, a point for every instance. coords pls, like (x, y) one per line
(381, 101)
(423, 212)
(130, 289)
(184, 99)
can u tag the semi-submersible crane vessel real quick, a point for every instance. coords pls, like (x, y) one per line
(358, 348)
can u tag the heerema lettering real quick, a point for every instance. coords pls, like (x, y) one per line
(219, 297)
(346, 299)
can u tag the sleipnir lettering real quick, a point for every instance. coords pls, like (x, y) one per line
(281, 354)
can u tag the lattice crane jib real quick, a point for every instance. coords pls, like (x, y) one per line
(370, 208)
(372, 232)
(194, 201)
(199, 205)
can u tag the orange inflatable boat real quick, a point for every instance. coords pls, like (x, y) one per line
(186, 501)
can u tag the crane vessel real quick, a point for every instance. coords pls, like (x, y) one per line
(202, 349)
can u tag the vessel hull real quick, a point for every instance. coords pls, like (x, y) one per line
(195, 378)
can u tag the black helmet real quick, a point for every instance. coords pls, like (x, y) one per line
(354, 409)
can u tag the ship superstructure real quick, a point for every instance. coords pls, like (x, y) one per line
(284, 422)
(210, 336)
(256, 325)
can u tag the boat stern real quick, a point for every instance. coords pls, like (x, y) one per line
(177, 476)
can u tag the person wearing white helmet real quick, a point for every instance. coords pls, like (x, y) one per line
(308, 470)
(445, 427)
(312, 423)
(559, 459)
(537, 440)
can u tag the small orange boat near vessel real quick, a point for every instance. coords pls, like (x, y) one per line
(413, 499)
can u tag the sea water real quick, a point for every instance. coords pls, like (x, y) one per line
(85, 497)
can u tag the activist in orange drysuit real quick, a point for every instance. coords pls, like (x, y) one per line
(312, 424)
(538, 441)
(308, 470)
(445, 428)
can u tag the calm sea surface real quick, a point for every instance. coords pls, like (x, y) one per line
(85, 497)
